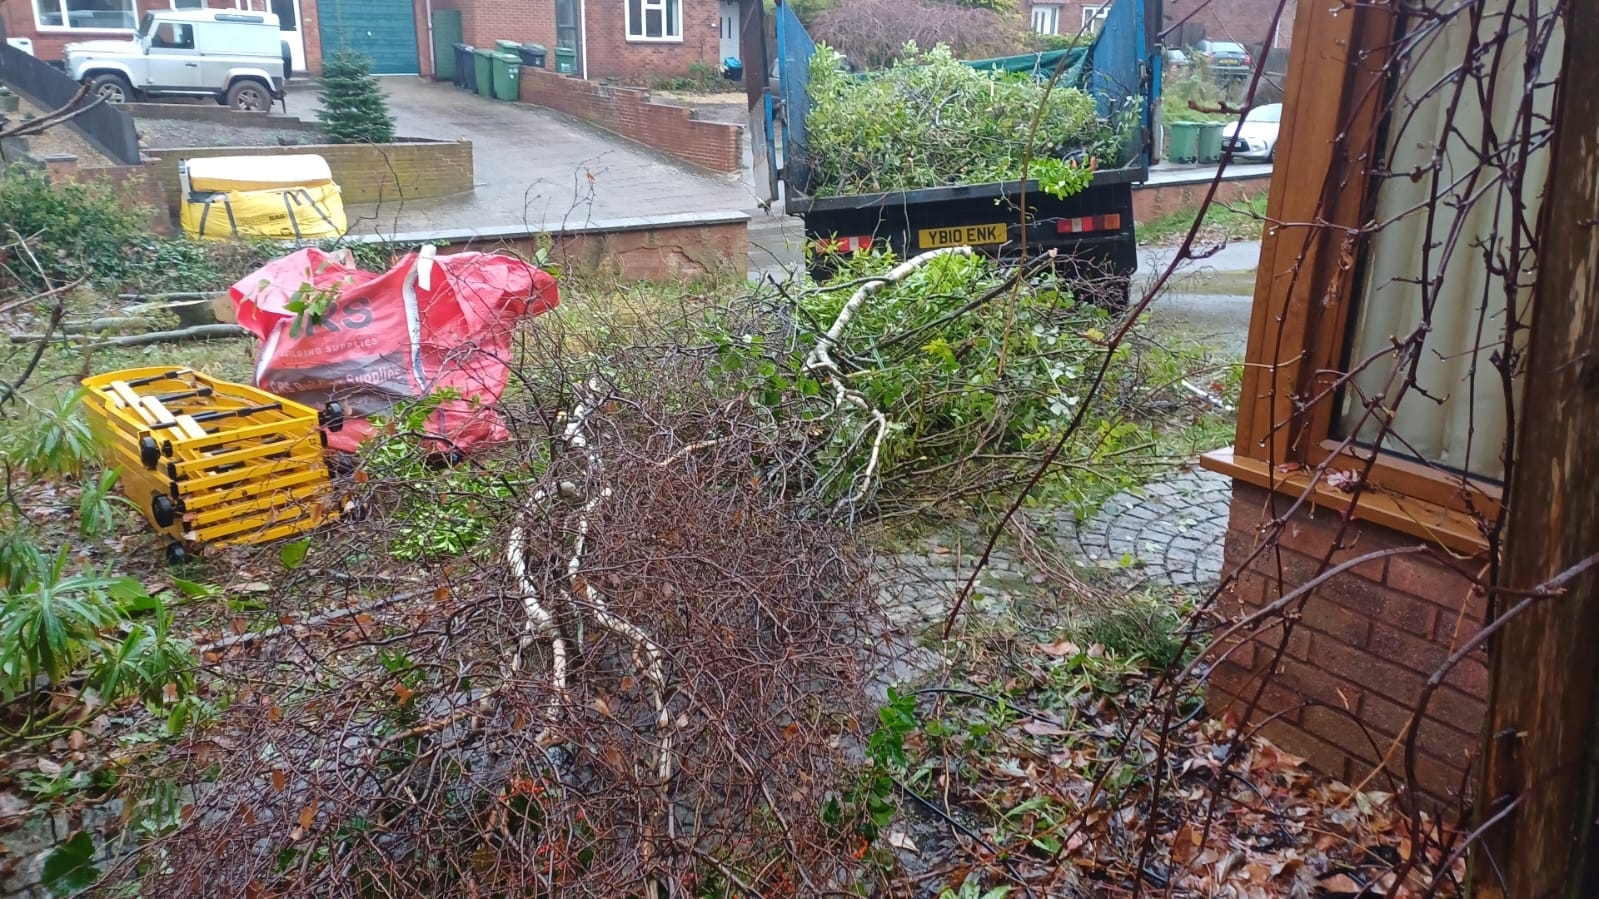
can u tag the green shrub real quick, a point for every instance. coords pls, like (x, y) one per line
(76, 230)
(931, 121)
(354, 109)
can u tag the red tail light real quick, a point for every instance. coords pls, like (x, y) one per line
(1247, 60)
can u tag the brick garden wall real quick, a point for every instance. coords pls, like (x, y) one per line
(660, 248)
(1356, 662)
(365, 173)
(134, 183)
(630, 113)
(1151, 201)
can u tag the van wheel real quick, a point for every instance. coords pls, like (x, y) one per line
(112, 87)
(251, 96)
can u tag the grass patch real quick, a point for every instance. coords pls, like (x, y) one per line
(1232, 221)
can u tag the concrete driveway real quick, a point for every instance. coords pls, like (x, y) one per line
(537, 168)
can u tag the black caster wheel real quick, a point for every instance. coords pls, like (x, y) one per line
(149, 452)
(164, 510)
(332, 416)
(176, 554)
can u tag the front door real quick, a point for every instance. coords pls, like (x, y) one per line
(730, 37)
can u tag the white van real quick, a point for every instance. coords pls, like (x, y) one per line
(236, 57)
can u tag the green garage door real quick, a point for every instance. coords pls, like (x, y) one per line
(384, 30)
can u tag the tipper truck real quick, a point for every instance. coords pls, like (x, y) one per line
(1091, 231)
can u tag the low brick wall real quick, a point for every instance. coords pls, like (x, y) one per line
(133, 182)
(1151, 201)
(212, 112)
(1365, 643)
(630, 113)
(366, 173)
(663, 248)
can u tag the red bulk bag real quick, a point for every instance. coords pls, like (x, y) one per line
(427, 324)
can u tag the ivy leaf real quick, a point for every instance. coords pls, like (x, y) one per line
(194, 589)
(293, 554)
(69, 867)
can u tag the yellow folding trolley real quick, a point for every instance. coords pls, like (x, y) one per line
(209, 461)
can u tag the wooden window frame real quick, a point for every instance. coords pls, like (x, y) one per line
(1320, 200)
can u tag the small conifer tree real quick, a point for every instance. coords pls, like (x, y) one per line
(354, 109)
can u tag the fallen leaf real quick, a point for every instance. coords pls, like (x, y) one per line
(279, 779)
(1340, 883)
(1043, 728)
(49, 768)
(307, 815)
(901, 841)
(403, 693)
(12, 805)
(1060, 648)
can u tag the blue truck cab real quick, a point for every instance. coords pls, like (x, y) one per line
(1090, 231)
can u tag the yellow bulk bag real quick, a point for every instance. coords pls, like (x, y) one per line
(283, 197)
(294, 213)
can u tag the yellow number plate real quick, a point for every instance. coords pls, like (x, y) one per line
(961, 235)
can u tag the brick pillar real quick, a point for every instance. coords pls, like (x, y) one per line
(1364, 644)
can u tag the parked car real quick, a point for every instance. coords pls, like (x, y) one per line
(1226, 58)
(1256, 136)
(1177, 61)
(238, 58)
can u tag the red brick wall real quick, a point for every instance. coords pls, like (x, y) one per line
(667, 252)
(133, 182)
(1151, 201)
(630, 113)
(1366, 642)
(18, 16)
(1245, 21)
(612, 55)
(311, 33)
(485, 21)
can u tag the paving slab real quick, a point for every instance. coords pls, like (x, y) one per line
(536, 168)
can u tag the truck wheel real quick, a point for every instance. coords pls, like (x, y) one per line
(1114, 295)
(112, 87)
(251, 96)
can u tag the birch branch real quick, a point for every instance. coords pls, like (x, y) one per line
(820, 358)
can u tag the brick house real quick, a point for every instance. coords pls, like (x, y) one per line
(627, 40)
(1185, 23)
(632, 41)
(1368, 494)
(46, 26)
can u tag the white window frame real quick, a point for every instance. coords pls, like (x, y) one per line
(635, 30)
(1046, 18)
(1094, 18)
(38, 21)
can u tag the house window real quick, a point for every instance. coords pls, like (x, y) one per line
(85, 15)
(654, 20)
(188, 4)
(1094, 18)
(1419, 260)
(1409, 196)
(1046, 19)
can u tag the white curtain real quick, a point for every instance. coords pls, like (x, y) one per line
(1449, 225)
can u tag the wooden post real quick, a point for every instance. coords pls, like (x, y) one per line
(1543, 700)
